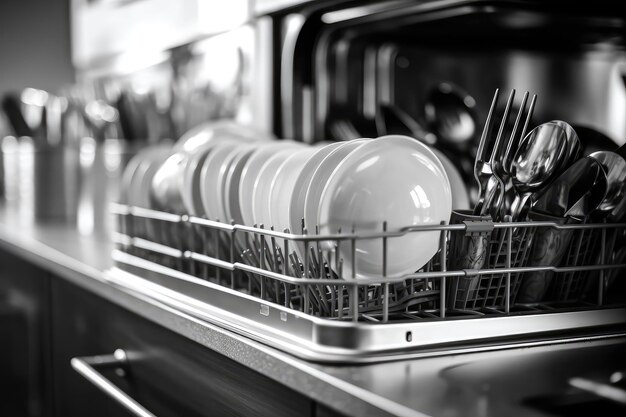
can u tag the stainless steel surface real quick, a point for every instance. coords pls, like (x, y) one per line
(86, 367)
(439, 37)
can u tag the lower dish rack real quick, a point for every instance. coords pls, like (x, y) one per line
(489, 286)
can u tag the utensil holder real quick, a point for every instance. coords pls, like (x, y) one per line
(468, 250)
(101, 167)
(586, 248)
(548, 248)
(484, 246)
(40, 181)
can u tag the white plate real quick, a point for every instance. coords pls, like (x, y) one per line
(190, 179)
(263, 184)
(320, 177)
(165, 190)
(129, 173)
(239, 158)
(282, 187)
(395, 179)
(460, 193)
(250, 173)
(211, 176)
(296, 205)
(140, 188)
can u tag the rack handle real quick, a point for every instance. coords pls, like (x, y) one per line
(85, 366)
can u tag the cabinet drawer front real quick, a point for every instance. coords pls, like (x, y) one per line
(165, 372)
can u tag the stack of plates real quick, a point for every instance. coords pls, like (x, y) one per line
(357, 185)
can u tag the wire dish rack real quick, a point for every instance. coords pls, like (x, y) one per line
(490, 285)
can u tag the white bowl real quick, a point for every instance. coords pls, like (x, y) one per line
(395, 179)
(250, 173)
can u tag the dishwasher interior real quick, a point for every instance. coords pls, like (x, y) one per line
(345, 70)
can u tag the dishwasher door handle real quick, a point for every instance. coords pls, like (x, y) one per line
(86, 367)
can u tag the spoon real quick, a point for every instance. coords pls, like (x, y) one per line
(573, 142)
(450, 114)
(537, 160)
(576, 192)
(615, 168)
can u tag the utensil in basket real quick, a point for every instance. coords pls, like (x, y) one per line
(549, 246)
(539, 158)
(492, 173)
(489, 183)
(614, 166)
(576, 193)
(468, 250)
(571, 198)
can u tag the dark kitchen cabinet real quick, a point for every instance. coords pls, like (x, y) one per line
(166, 373)
(25, 373)
(46, 320)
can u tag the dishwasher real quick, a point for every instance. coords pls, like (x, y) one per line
(333, 67)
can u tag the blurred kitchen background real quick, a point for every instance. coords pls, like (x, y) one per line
(86, 83)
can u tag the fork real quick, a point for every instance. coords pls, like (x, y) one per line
(492, 173)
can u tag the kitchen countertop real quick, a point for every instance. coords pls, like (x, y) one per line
(471, 384)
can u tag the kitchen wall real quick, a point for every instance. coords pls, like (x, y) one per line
(34, 45)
